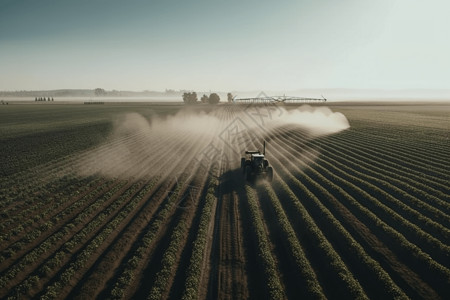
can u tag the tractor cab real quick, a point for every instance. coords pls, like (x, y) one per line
(257, 158)
(258, 161)
(255, 165)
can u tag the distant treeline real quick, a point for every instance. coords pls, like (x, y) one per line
(94, 102)
(43, 99)
(89, 93)
(213, 98)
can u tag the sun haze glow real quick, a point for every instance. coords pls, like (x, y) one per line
(224, 45)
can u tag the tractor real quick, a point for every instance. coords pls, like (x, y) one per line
(254, 165)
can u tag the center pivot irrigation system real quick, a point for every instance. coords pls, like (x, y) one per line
(278, 99)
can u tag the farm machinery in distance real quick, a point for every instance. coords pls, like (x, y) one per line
(254, 165)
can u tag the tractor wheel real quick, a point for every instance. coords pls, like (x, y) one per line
(248, 173)
(269, 174)
(243, 164)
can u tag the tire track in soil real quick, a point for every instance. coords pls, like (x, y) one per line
(256, 278)
(225, 264)
(227, 277)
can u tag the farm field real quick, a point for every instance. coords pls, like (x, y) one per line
(148, 201)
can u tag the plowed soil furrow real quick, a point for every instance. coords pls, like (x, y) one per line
(320, 252)
(408, 207)
(139, 201)
(363, 158)
(104, 267)
(411, 182)
(73, 213)
(414, 282)
(402, 157)
(179, 217)
(156, 199)
(392, 157)
(49, 216)
(161, 231)
(67, 164)
(55, 247)
(227, 275)
(417, 284)
(57, 211)
(413, 230)
(78, 261)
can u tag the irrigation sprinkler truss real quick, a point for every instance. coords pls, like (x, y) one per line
(278, 99)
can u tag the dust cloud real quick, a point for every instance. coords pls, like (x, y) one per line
(144, 146)
(318, 121)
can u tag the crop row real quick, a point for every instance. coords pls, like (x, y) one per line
(58, 206)
(373, 201)
(407, 250)
(352, 145)
(416, 137)
(39, 232)
(383, 189)
(334, 171)
(295, 161)
(33, 190)
(132, 198)
(55, 204)
(349, 286)
(393, 163)
(273, 285)
(194, 270)
(330, 171)
(170, 261)
(43, 249)
(146, 242)
(397, 155)
(77, 203)
(364, 163)
(411, 208)
(313, 288)
(134, 263)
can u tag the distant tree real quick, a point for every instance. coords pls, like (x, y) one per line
(214, 98)
(204, 99)
(190, 98)
(99, 92)
(229, 97)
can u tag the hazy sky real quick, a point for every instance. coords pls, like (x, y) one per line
(224, 45)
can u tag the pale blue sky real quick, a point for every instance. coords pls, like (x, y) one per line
(224, 45)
